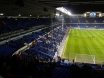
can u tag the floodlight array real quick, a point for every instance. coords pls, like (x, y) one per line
(63, 10)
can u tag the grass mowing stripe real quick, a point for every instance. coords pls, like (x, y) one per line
(94, 46)
(76, 42)
(70, 47)
(100, 32)
(97, 41)
(100, 51)
(84, 44)
(98, 48)
(100, 39)
(77, 48)
(93, 58)
(65, 44)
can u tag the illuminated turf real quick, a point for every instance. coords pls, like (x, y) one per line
(85, 42)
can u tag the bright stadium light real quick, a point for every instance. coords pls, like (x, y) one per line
(57, 14)
(19, 15)
(85, 15)
(1, 14)
(64, 10)
(100, 15)
(30, 15)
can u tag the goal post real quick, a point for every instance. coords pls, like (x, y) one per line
(85, 58)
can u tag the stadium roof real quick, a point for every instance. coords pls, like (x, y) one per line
(47, 7)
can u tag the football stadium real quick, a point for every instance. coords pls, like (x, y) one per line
(83, 43)
(51, 39)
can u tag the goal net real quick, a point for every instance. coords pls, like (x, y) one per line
(85, 58)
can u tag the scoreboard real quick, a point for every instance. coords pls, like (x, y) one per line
(92, 14)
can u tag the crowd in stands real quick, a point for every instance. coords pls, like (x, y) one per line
(87, 26)
(24, 67)
(13, 24)
(18, 67)
(37, 61)
(81, 22)
(46, 45)
(84, 20)
(47, 42)
(87, 71)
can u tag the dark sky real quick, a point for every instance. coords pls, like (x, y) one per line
(80, 9)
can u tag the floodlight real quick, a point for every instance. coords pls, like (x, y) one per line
(64, 10)
(1, 14)
(57, 14)
(85, 15)
(100, 15)
(19, 15)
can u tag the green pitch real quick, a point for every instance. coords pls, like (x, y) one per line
(85, 45)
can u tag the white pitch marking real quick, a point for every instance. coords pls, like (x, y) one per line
(91, 54)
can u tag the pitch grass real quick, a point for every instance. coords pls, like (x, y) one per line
(81, 41)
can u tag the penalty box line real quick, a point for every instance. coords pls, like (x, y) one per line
(91, 55)
(93, 59)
